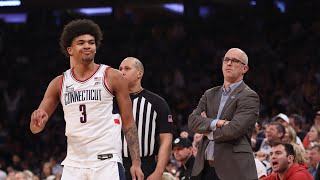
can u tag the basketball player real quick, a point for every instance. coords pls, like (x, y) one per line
(93, 97)
(153, 119)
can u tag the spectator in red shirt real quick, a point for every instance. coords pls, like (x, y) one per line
(282, 161)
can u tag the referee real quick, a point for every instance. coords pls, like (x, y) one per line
(154, 122)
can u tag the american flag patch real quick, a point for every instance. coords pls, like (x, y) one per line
(116, 121)
(97, 78)
(170, 118)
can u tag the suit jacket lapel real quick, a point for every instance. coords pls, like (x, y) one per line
(233, 96)
(217, 98)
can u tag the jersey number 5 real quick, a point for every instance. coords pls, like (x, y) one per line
(82, 108)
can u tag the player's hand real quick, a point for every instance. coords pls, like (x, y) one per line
(39, 119)
(155, 176)
(136, 172)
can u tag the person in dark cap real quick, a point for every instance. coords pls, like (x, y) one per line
(182, 150)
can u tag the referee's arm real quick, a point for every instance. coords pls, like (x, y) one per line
(164, 153)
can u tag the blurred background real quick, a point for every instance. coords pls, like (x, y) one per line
(180, 43)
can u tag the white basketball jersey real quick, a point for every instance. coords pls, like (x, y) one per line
(93, 123)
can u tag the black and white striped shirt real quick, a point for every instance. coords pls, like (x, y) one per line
(152, 117)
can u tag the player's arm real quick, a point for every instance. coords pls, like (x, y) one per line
(163, 155)
(119, 86)
(47, 106)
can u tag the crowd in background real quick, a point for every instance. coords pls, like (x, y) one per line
(182, 58)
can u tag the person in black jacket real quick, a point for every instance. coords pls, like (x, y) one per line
(182, 150)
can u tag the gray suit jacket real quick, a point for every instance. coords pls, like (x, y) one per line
(233, 156)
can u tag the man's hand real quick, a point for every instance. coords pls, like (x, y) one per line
(261, 156)
(219, 124)
(38, 121)
(222, 123)
(136, 171)
(203, 114)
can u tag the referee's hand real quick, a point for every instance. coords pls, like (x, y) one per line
(136, 172)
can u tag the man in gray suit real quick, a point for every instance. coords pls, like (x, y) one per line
(226, 115)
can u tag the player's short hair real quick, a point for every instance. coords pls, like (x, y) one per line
(77, 28)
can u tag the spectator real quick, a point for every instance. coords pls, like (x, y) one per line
(46, 170)
(282, 157)
(311, 166)
(274, 133)
(56, 168)
(296, 122)
(257, 137)
(290, 137)
(21, 176)
(282, 118)
(316, 123)
(315, 160)
(314, 135)
(182, 150)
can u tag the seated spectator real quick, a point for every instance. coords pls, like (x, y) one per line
(20, 176)
(282, 118)
(274, 133)
(316, 123)
(46, 170)
(290, 137)
(257, 139)
(314, 135)
(315, 159)
(182, 150)
(282, 157)
(29, 174)
(296, 122)
(56, 167)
